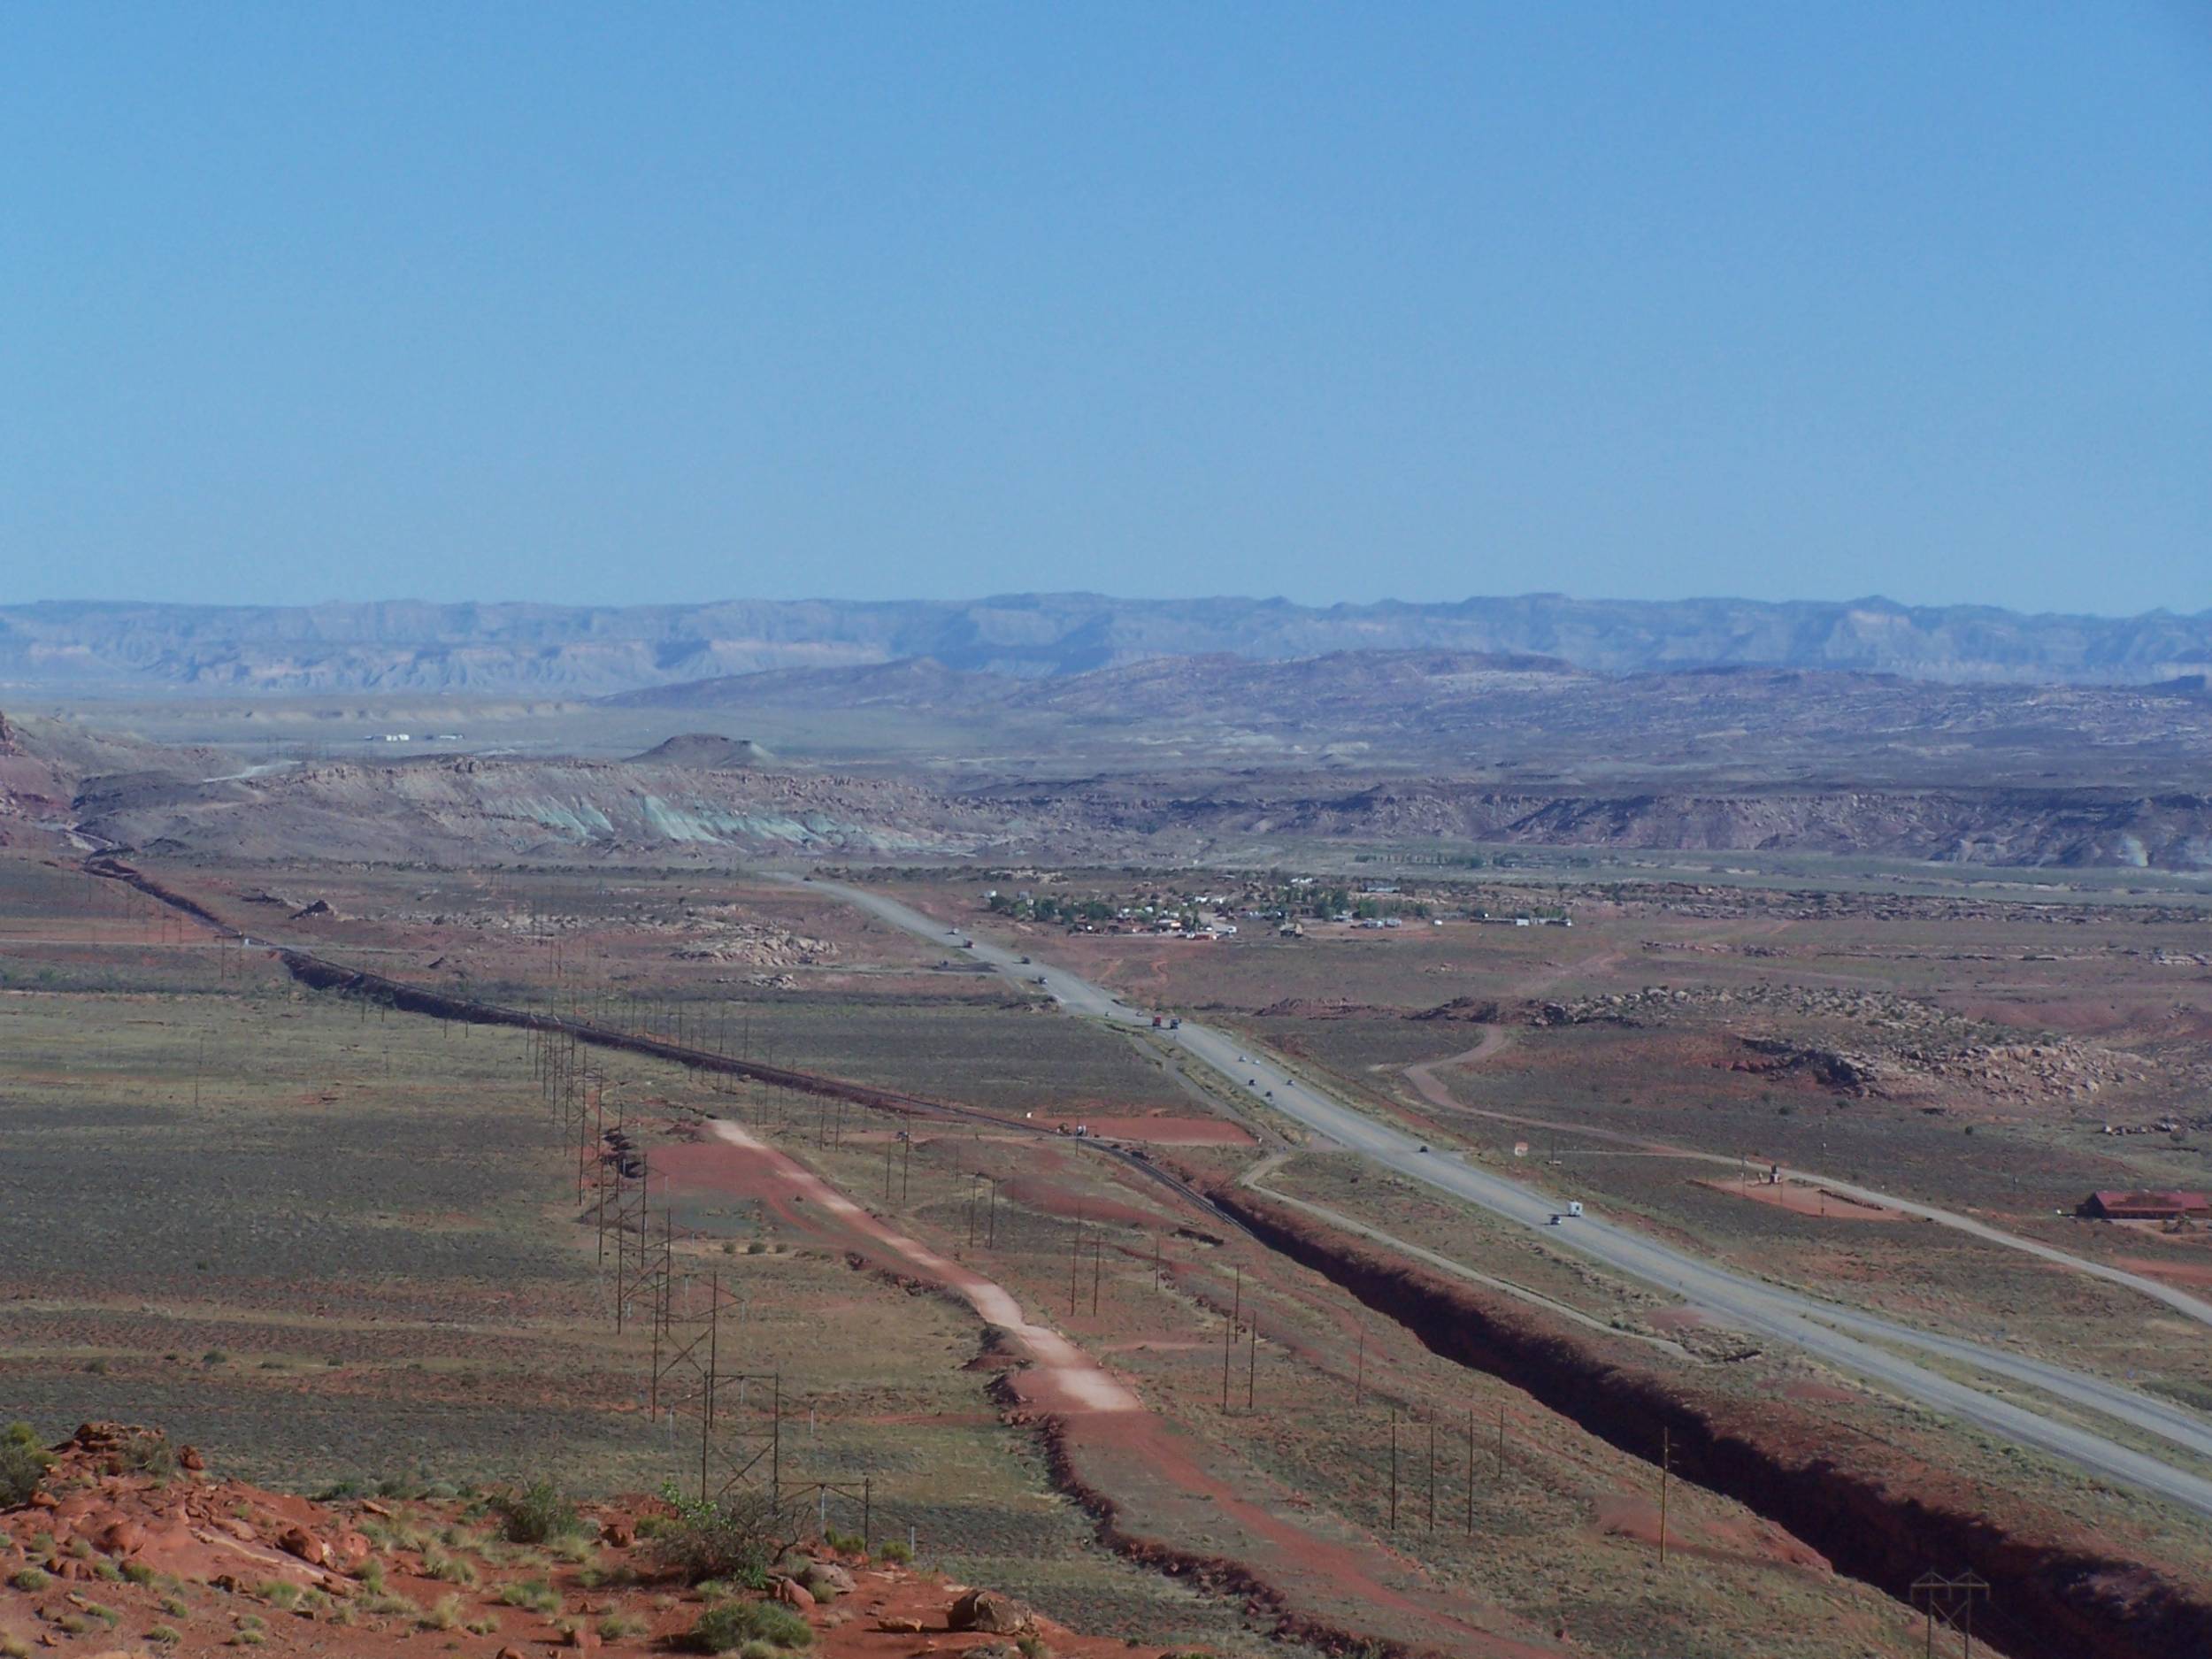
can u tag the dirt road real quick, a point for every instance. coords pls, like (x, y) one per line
(1171, 1494)
(1438, 1094)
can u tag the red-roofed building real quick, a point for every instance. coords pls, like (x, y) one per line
(2145, 1206)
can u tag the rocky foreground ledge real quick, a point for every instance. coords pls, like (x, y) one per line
(116, 1543)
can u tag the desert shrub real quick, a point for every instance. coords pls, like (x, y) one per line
(538, 1514)
(729, 1625)
(736, 1537)
(399, 1531)
(167, 1635)
(23, 1464)
(149, 1453)
(30, 1580)
(896, 1552)
(845, 1543)
(534, 1593)
(619, 1627)
(451, 1569)
(443, 1613)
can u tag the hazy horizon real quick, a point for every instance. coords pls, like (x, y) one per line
(1011, 594)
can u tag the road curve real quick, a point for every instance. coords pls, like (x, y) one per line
(1855, 1341)
(1438, 1092)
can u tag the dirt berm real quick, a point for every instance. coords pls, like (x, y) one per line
(2058, 1592)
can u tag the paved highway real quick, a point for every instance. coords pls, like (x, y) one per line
(1855, 1341)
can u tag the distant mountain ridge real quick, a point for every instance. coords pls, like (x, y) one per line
(124, 649)
(1531, 719)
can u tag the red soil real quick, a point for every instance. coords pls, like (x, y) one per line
(220, 1546)
(1635, 1516)
(1801, 1200)
(1122, 1460)
(2172, 1272)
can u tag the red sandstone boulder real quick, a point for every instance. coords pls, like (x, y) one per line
(989, 1611)
(349, 1549)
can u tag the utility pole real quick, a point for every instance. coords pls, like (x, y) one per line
(1252, 1368)
(1666, 1470)
(1394, 1469)
(706, 1398)
(1431, 1475)
(1075, 1256)
(1471, 1472)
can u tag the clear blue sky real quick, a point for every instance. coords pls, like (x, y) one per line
(655, 302)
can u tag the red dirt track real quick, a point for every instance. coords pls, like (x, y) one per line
(1144, 1479)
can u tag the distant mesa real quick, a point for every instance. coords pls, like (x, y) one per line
(134, 648)
(705, 751)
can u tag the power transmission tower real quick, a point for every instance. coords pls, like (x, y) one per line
(1952, 1600)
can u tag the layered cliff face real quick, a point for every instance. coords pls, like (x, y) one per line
(540, 649)
(43, 762)
(466, 809)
